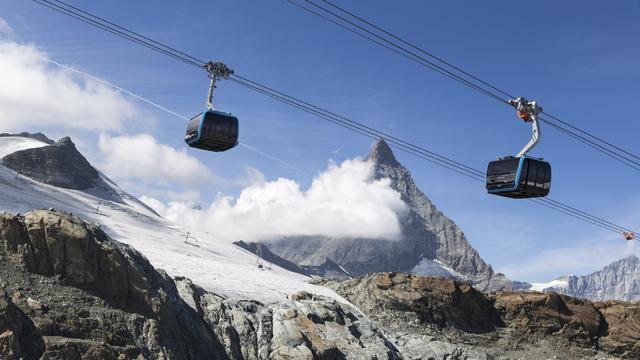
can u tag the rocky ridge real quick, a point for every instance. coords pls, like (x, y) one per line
(36, 136)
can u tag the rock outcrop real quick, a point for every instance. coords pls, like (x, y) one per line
(441, 318)
(72, 292)
(59, 164)
(408, 301)
(426, 234)
(623, 328)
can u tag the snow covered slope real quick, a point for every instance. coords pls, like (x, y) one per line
(217, 266)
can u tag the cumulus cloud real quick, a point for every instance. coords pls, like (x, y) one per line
(142, 157)
(32, 91)
(342, 202)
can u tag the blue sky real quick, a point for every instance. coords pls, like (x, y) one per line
(580, 60)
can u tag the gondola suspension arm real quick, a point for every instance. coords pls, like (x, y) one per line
(217, 71)
(528, 111)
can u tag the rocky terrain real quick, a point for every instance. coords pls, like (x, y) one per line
(427, 234)
(617, 281)
(447, 319)
(70, 292)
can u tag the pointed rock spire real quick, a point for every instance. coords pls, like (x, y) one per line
(381, 154)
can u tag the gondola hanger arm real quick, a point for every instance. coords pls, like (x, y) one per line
(217, 71)
(528, 111)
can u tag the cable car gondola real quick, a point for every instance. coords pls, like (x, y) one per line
(521, 176)
(213, 130)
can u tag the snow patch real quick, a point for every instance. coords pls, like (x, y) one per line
(561, 283)
(11, 144)
(434, 267)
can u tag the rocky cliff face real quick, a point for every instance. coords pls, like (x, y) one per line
(59, 164)
(617, 281)
(426, 234)
(442, 318)
(69, 291)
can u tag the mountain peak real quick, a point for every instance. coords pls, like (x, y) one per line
(381, 154)
(59, 164)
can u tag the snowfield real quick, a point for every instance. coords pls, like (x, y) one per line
(560, 283)
(217, 266)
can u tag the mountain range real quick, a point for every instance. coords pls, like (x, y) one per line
(617, 281)
(54, 174)
(89, 271)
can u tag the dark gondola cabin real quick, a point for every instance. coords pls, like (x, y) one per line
(519, 177)
(213, 131)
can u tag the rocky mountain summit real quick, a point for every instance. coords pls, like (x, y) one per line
(427, 234)
(617, 281)
(59, 164)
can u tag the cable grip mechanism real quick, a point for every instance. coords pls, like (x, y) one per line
(217, 71)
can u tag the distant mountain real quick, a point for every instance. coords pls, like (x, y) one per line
(327, 269)
(431, 244)
(35, 136)
(617, 281)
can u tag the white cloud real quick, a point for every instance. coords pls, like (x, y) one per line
(342, 202)
(5, 28)
(141, 157)
(31, 91)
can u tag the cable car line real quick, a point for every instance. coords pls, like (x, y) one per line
(417, 48)
(462, 169)
(179, 55)
(619, 155)
(630, 163)
(591, 135)
(100, 23)
(414, 58)
(325, 114)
